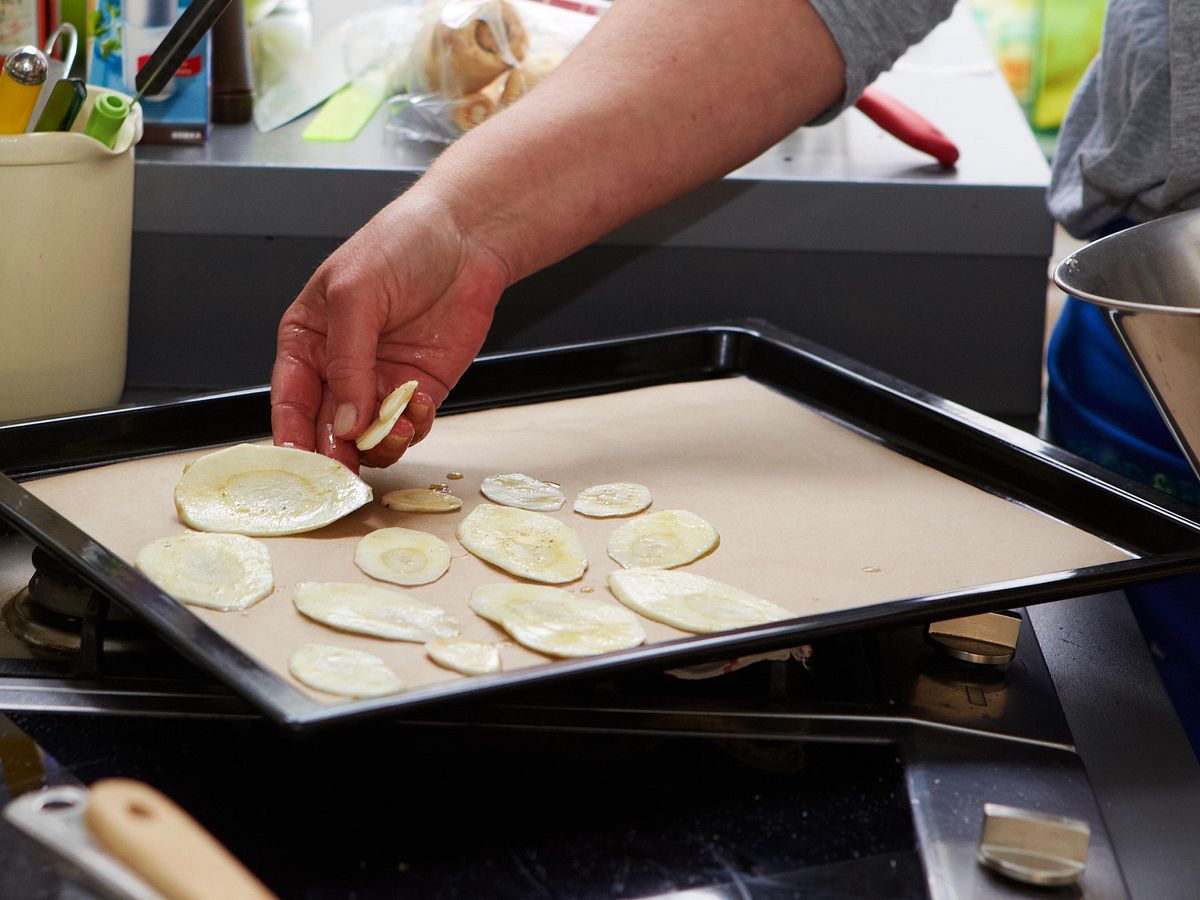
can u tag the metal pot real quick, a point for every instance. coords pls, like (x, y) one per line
(1147, 278)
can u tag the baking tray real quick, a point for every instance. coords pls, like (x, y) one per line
(1161, 536)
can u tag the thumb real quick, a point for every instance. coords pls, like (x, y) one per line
(352, 342)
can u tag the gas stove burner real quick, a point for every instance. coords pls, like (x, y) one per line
(56, 588)
(49, 614)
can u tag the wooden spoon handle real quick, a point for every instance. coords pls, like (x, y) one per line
(164, 845)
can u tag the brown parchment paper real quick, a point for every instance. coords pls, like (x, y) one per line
(811, 515)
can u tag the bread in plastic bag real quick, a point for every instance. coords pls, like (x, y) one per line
(474, 57)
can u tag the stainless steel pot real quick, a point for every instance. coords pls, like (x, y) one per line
(1148, 280)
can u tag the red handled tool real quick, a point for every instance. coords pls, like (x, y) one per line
(907, 125)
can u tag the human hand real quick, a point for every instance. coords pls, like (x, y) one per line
(408, 297)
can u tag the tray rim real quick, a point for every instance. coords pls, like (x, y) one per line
(295, 710)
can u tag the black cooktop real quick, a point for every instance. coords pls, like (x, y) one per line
(444, 814)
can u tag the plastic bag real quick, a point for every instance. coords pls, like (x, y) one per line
(474, 57)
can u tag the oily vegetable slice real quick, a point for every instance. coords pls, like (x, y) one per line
(421, 500)
(265, 491)
(557, 622)
(219, 571)
(389, 413)
(402, 556)
(691, 602)
(373, 609)
(340, 670)
(527, 544)
(464, 655)
(619, 498)
(523, 492)
(662, 540)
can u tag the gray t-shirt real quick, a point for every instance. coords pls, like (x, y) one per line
(1130, 145)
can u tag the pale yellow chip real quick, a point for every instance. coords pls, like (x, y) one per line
(464, 655)
(389, 413)
(421, 500)
(662, 540)
(620, 498)
(692, 602)
(342, 671)
(219, 571)
(403, 556)
(523, 492)
(373, 609)
(527, 544)
(557, 622)
(266, 491)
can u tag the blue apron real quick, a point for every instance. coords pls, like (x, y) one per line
(1097, 408)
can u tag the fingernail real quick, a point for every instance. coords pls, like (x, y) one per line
(344, 419)
(418, 411)
(394, 444)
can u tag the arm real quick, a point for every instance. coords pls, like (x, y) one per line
(664, 95)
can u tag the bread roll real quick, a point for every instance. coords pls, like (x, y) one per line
(461, 61)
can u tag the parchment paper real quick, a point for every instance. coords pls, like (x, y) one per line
(811, 515)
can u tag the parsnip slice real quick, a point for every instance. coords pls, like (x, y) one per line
(389, 412)
(340, 670)
(620, 498)
(691, 602)
(402, 556)
(662, 540)
(373, 609)
(421, 500)
(464, 655)
(265, 491)
(219, 571)
(528, 544)
(522, 492)
(557, 622)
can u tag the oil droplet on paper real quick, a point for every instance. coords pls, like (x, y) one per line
(872, 570)
(454, 476)
(439, 486)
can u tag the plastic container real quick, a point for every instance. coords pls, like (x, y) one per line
(66, 226)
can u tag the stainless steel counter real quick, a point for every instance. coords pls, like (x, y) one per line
(840, 233)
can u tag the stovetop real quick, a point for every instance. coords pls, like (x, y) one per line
(837, 774)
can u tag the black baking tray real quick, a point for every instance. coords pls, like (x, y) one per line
(1160, 533)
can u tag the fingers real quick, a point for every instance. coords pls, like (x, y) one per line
(352, 340)
(329, 444)
(296, 394)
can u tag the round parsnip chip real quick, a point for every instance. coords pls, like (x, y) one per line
(402, 556)
(389, 413)
(464, 655)
(266, 491)
(340, 670)
(662, 540)
(691, 602)
(219, 571)
(621, 498)
(421, 500)
(522, 492)
(373, 609)
(557, 622)
(527, 544)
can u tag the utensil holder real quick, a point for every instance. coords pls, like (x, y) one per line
(66, 229)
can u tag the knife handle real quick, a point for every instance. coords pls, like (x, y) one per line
(169, 849)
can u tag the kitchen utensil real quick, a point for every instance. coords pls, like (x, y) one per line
(1147, 278)
(971, 448)
(132, 841)
(906, 124)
